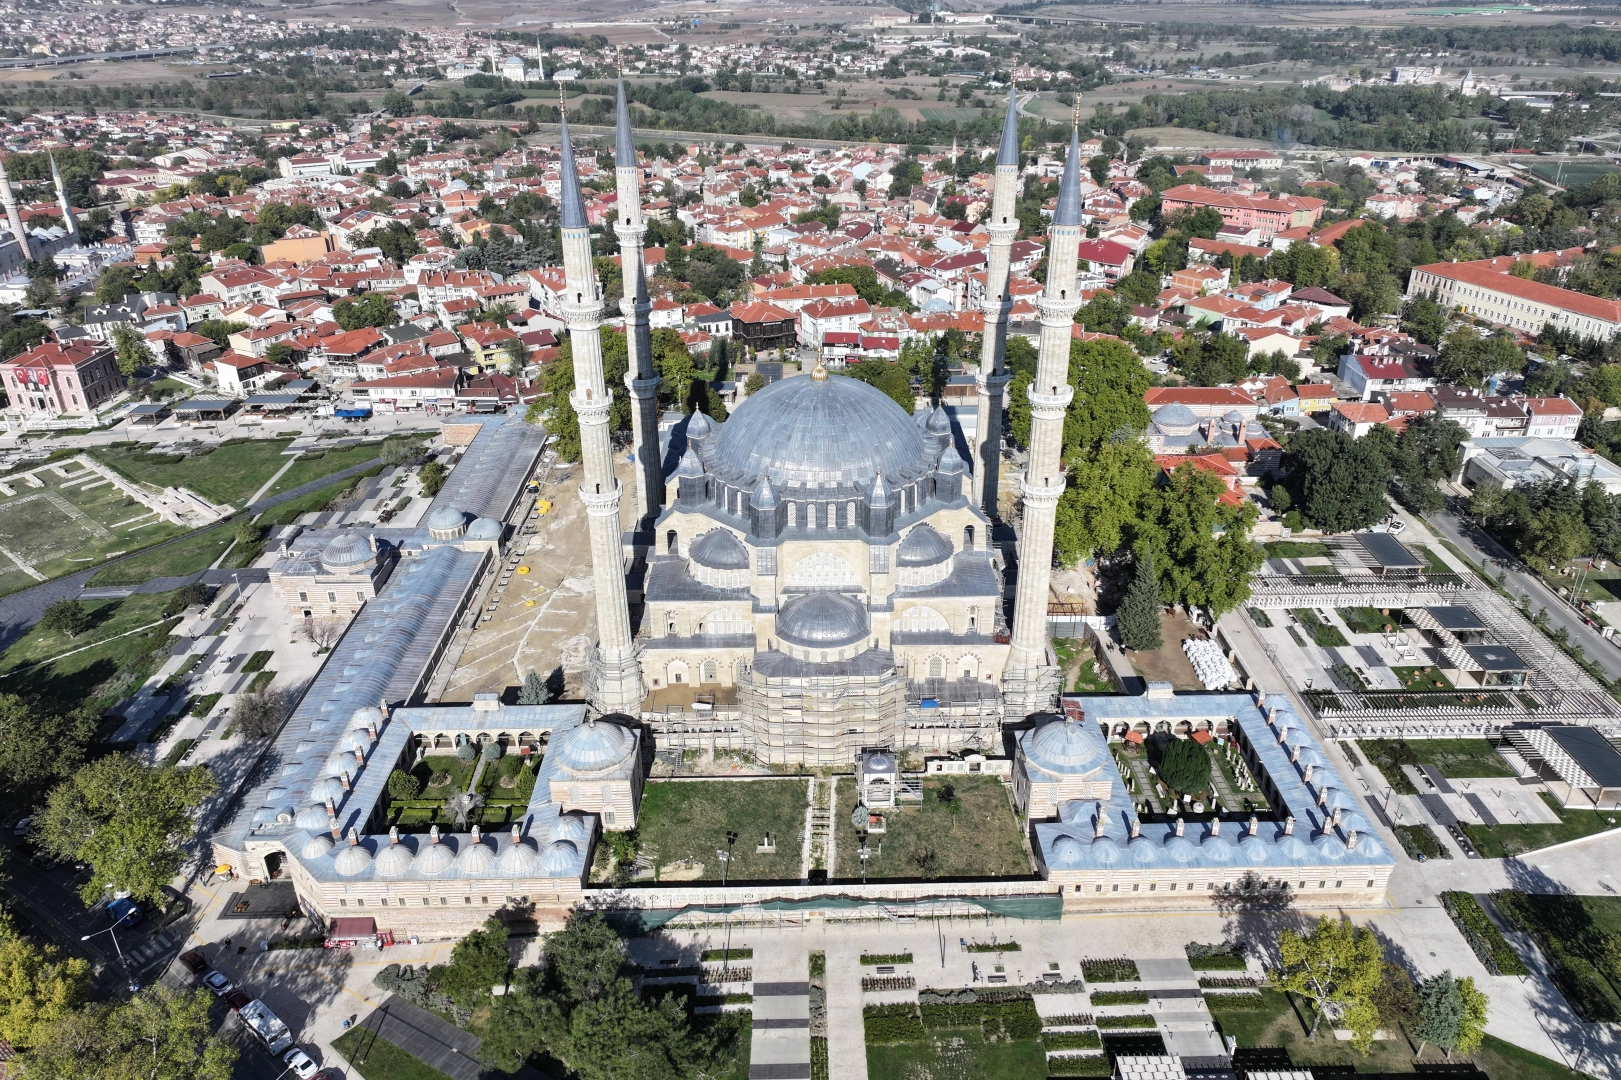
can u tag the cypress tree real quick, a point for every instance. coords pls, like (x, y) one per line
(1138, 617)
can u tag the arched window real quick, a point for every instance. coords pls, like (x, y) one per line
(921, 619)
(710, 672)
(725, 621)
(937, 667)
(670, 542)
(968, 538)
(823, 569)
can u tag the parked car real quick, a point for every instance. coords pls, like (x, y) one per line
(23, 826)
(238, 998)
(1398, 525)
(299, 1063)
(217, 982)
(195, 962)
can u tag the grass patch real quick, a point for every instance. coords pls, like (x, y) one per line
(107, 661)
(886, 958)
(1453, 757)
(682, 825)
(1119, 997)
(185, 556)
(718, 955)
(1422, 678)
(313, 502)
(1322, 633)
(259, 682)
(1111, 970)
(1572, 932)
(383, 1060)
(975, 834)
(1260, 618)
(177, 751)
(1125, 1023)
(309, 468)
(957, 1052)
(1419, 840)
(258, 660)
(1505, 841)
(1367, 620)
(229, 473)
(203, 705)
(1295, 549)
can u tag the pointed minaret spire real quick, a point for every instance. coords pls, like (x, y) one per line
(1068, 211)
(573, 201)
(992, 377)
(1008, 152)
(624, 144)
(641, 378)
(14, 218)
(62, 201)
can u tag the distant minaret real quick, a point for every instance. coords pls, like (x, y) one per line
(640, 377)
(613, 681)
(14, 218)
(992, 378)
(1031, 683)
(68, 223)
(540, 58)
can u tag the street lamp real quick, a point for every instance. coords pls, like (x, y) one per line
(725, 858)
(134, 987)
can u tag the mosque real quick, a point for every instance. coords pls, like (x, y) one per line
(19, 245)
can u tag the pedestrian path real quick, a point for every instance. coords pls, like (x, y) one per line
(846, 1034)
(780, 1047)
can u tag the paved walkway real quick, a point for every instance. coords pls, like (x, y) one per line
(846, 1034)
(780, 1047)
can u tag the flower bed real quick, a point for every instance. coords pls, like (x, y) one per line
(1577, 977)
(1491, 948)
(1072, 1020)
(1117, 1023)
(886, 958)
(1218, 957)
(1112, 970)
(992, 947)
(1119, 997)
(873, 983)
(1015, 1018)
(1072, 1040)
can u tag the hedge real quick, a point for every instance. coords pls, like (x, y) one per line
(1080, 1065)
(886, 958)
(177, 751)
(1488, 943)
(1072, 1020)
(1113, 970)
(1113, 1023)
(992, 947)
(1016, 1019)
(727, 955)
(1212, 982)
(1419, 840)
(1072, 1040)
(1119, 997)
(892, 1023)
(1217, 963)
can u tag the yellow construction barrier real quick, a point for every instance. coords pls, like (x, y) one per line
(523, 569)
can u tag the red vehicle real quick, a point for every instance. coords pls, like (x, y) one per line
(194, 961)
(236, 999)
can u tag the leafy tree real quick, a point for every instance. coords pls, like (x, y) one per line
(478, 962)
(906, 175)
(67, 617)
(534, 690)
(1440, 1013)
(38, 747)
(219, 331)
(713, 272)
(1141, 609)
(864, 279)
(1210, 360)
(1337, 967)
(367, 309)
(1184, 766)
(1338, 483)
(1200, 543)
(1470, 359)
(38, 986)
(673, 363)
(1424, 319)
(432, 477)
(1138, 287)
(1101, 505)
(1476, 1005)
(892, 379)
(402, 786)
(131, 823)
(753, 384)
(558, 383)
(260, 716)
(132, 351)
(1109, 382)
(159, 1034)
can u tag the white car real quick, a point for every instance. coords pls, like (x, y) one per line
(300, 1064)
(1398, 525)
(219, 983)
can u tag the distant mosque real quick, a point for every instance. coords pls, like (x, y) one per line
(18, 244)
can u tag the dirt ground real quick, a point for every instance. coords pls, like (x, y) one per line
(1169, 663)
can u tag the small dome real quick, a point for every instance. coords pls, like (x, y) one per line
(938, 423)
(350, 548)
(1105, 851)
(1293, 848)
(316, 847)
(1332, 848)
(880, 762)
(520, 859)
(447, 523)
(435, 859)
(367, 716)
(1255, 850)
(719, 549)
(951, 462)
(764, 496)
(1232, 416)
(689, 465)
(571, 827)
(823, 620)
(476, 859)
(1063, 746)
(484, 529)
(699, 425)
(1143, 850)
(329, 788)
(394, 860)
(352, 860)
(1217, 849)
(923, 546)
(593, 745)
(340, 763)
(1181, 850)
(1368, 846)
(311, 818)
(355, 740)
(1175, 419)
(561, 857)
(1067, 852)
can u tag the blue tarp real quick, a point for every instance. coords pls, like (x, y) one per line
(343, 413)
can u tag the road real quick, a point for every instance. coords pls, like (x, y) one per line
(1487, 553)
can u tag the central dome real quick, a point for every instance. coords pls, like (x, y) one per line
(820, 431)
(824, 620)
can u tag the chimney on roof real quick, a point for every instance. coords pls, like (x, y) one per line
(1255, 824)
(1350, 840)
(1136, 828)
(478, 834)
(343, 779)
(1180, 826)
(393, 834)
(333, 828)
(1215, 826)
(354, 836)
(1289, 825)
(433, 834)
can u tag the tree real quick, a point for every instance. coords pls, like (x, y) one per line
(66, 617)
(1440, 1013)
(132, 351)
(38, 747)
(1109, 381)
(159, 1034)
(219, 331)
(558, 383)
(367, 309)
(1141, 609)
(131, 823)
(1337, 968)
(1200, 541)
(402, 786)
(490, 751)
(673, 363)
(1424, 319)
(1337, 483)
(259, 716)
(1102, 504)
(478, 962)
(1184, 766)
(1468, 358)
(1476, 1005)
(38, 986)
(534, 690)
(432, 477)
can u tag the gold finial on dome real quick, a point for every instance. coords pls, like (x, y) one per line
(819, 373)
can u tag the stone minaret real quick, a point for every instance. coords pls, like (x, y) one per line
(68, 223)
(14, 218)
(640, 377)
(993, 377)
(613, 679)
(1031, 683)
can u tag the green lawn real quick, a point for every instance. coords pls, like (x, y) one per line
(383, 1060)
(1454, 757)
(316, 464)
(316, 500)
(981, 838)
(683, 824)
(187, 555)
(1434, 563)
(1282, 1024)
(1367, 620)
(1324, 634)
(1505, 841)
(1295, 549)
(957, 1052)
(1571, 932)
(230, 473)
(1422, 678)
(1076, 658)
(78, 679)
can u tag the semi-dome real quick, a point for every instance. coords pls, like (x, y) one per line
(476, 859)
(591, 746)
(823, 620)
(1063, 746)
(349, 549)
(820, 431)
(447, 523)
(880, 762)
(484, 529)
(435, 859)
(1067, 852)
(316, 847)
(1175, 419)
(519, 859)
(394, 860)
(719, 549)
(352, 860)
(571, 827)
(367, 716)
(923, 546)
(560, 857)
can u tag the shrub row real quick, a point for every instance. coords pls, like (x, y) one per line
(1014, 1019)
(1072, 1020)
(1234, 1001)
(719, 955)
(1072, 1040)
(1119, 997)
(177, 751)
(1419, 840)
(1112, 970)
(892, 1023)
(1576, 976)
(1218, 963)
(1113, 1023)
(887, 982)
(886, 958)
(1489, 945)
(723, 999)
(1057, 986)
(818, 1062)
(1080, 1065)
(1216, 982)
(726, 975)
(992, 947)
